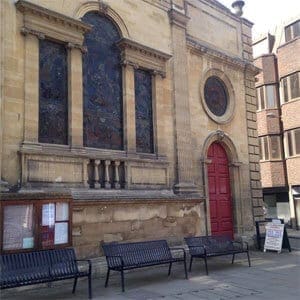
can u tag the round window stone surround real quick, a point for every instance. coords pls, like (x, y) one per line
(217, 96)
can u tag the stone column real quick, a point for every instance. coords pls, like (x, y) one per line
(117, 177)
(75, 98)
(97, 174)
(129, 108)
(31, 107)
(183, 144)
(3, 184)
(158, 112)
(107, 183)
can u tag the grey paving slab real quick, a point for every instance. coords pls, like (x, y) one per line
(272, 276)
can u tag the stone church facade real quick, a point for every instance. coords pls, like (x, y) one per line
(139, 116)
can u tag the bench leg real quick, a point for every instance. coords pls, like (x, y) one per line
(205, 261)
(233, 258)
(185, 269)
(191, 261)
(122, 280)
(74, 285)
(90, 286)
(170, 267)
(107, 277)
(249, 263)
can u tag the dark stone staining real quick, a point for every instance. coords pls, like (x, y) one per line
(143, 111)
(215, 94)
(102, 85)
(53, 93)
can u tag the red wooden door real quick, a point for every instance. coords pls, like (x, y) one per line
(220, 203)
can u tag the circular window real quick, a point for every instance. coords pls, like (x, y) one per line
(215, 95)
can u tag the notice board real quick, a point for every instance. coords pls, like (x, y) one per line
(274, 237)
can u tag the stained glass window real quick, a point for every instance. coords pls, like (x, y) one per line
(102, 85)
(143, 111)
(53, 93)
(215, 95)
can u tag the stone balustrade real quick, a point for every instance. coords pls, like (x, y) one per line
(106, 174)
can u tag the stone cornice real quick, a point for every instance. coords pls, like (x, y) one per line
(178, 18)
(33, 9)
(138, 55)
(200, 48)
(127, 43)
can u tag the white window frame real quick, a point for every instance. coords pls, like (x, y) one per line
(267, 138)
(293, 142)
(289, 91)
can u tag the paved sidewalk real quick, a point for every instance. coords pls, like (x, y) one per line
(272, 276)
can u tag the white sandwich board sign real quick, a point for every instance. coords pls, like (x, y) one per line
(274, 237)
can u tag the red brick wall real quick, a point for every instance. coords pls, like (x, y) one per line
(291, 115)
(269, 66)
(268, 124)
(289, 58)
(272, 174)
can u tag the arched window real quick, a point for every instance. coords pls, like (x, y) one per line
(102, 85)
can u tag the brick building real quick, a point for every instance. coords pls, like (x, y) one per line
(126, 120)
(278, 121)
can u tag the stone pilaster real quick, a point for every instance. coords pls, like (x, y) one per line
(183, 144)
(158, 112)
(31, 112)
(129, 108)
(253, 147)
(3, 184)
(75, 97)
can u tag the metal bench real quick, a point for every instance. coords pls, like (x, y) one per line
(20, 269)
(210, 246)
(127, 256)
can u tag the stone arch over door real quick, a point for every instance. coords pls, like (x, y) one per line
(234, 173)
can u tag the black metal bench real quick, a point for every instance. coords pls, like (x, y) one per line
(127, 256)
(210, 246)
(44, 266)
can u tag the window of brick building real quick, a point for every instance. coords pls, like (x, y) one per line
(271, 96)
(260, 98)
(295, 88)
(290, 87)
(292, 31)
(266, 97)
(285, 89)
(270, 147)
(275, 147)
(293, 142)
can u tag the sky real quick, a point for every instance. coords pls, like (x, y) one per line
(265, 14)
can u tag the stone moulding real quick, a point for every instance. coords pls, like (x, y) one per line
(141, 56)
(43, 23)
(178, 18)
(197, 47)
(105, 9)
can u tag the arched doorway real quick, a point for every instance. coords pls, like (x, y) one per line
(220, 203)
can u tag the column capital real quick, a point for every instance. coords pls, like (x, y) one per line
(178, 18)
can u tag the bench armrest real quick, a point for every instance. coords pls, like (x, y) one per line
(89, 263)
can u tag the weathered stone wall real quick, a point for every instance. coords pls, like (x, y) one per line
(134, 220)
(181, 53)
